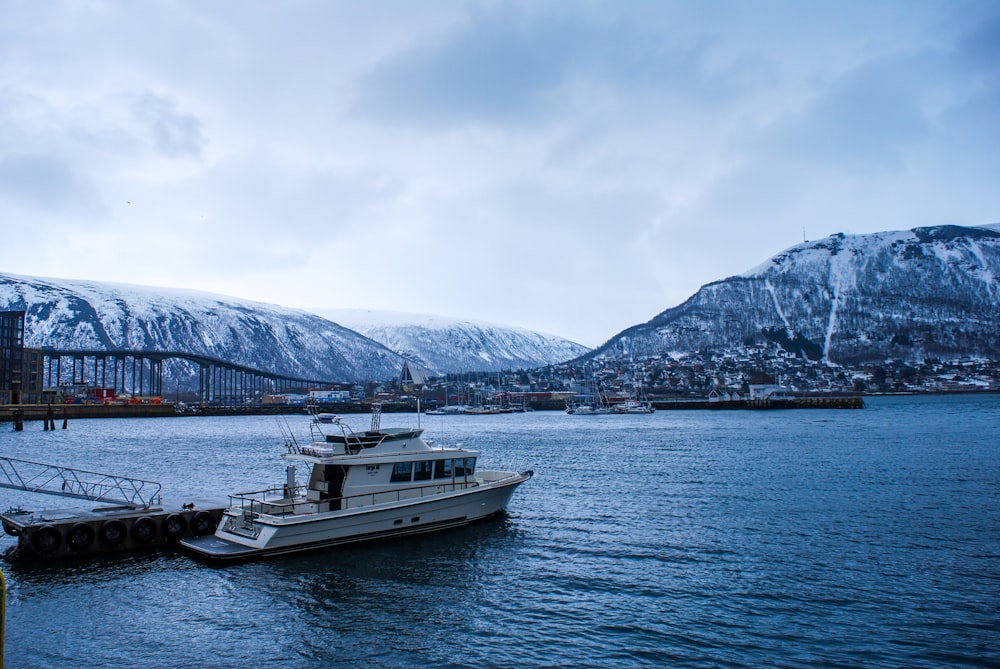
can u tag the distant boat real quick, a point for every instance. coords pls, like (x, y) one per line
(632, 406)
(483, 410)
(447, 410)
(597, 406)
(588, 409)
(594, 404)
(635, 402)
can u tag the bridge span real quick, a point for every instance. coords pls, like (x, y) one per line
(141, 373)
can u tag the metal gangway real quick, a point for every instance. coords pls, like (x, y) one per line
(79, 483)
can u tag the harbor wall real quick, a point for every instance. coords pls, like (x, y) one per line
(854, 402)
(60, 412)
(65, 412)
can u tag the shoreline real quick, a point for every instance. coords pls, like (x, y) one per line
(65, 412)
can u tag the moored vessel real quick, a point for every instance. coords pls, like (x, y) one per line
(359, 486)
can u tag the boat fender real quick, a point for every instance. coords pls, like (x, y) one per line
(113, 532)
(202, 523)
(46, 539)
(11, 530)
(144, 530)
(80, 536)
(174, 526)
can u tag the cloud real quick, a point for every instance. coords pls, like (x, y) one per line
(444, 156)
(173, 133)
(859, 125)
(513, 65)
(43, 182)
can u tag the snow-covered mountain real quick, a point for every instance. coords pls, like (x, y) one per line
(71, 314)
(442, 344)
(911, 295)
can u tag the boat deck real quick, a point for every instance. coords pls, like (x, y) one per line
(213, 546)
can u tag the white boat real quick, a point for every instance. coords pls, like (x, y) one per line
(595, 403)
(447, 410)
(588, 409)
(376, 484)
(633, 406)
(636, 402)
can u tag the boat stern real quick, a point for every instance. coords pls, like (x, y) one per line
(217, 548)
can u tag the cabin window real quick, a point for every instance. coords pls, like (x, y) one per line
(465, 466)
(401, 472)
(423, 471)
(442, 469)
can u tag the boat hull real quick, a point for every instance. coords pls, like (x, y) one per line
(292, 535)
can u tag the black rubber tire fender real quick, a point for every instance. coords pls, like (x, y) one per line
(174, 526)
(113, 532)
(80, 536)
(144, 530)
(46, 539)
(202, 523)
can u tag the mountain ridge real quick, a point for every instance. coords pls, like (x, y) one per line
(841, 300)
(444, 344)
(81, 314)
(845, 299)
(91, 315)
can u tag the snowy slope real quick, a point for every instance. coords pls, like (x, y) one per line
(71, 314)
(926, 292)
(443, 344)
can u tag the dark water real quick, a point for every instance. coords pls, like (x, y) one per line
(684, 539)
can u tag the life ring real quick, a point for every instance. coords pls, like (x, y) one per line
(80, 536)
(144, 530)
(113, 532)
(174, 526)
(46, 539)
(202, 523)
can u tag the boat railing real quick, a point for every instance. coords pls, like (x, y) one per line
(282, 502)
(275, 501)
(415, 492)
(353, 443)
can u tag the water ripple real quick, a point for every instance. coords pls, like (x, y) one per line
(695, 539)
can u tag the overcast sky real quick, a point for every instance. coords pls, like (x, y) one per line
(569, 167)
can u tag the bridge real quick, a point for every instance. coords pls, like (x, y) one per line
(140, 373)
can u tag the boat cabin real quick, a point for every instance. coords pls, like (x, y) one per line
(351, 470)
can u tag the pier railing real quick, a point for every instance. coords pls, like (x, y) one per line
(79, 483)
